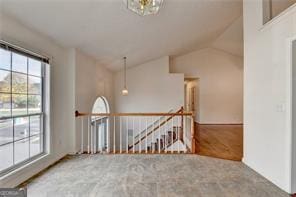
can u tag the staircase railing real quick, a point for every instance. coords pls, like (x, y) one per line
(154, 127)
(118, 131)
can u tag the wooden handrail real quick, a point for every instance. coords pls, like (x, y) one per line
(180, 110)
(178, 113)
(78, 114)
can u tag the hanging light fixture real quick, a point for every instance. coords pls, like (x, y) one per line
(144, 7)
(124, 90)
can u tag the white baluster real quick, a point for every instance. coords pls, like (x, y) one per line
(127, 134)
(178, 140)
(107, 135)
(140, 135)
(159, 135)
(114, 133)
(146, 137)
(120, 140)
(95, 135)
(166, 136)
(172, 133)
(82, 148)
(91, 137)
(152, 137)
(185, 133)
(88, 135)
(134, 135)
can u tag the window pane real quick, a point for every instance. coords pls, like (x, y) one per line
(19, 104)
(19, 63)
(5, 77)
(19, 83)
(6, 155)
(5, 59)
(6, 131)
(34, 104)
(21, 128)
(34, 85)
(34, 125)
(34, 67)
(5, 105)
(21, 150)
(35, 145)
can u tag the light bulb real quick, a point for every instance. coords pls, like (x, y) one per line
(124, 92)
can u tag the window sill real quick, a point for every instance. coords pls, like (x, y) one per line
(23, 166)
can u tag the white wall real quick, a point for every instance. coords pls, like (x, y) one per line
(151, 88)
(220, 84)
(91, 81)
(267, 75)
(293, 139)
(62, 94)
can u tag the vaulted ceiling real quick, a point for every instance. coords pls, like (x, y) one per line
(106, 30)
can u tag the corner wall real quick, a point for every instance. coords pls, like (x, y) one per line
(61, 95)
(91, 81)
(220, 84)
(267, 78)
(151, 88)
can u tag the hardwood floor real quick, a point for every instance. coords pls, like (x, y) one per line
(220, 141)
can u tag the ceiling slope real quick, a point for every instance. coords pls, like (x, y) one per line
(106, 30)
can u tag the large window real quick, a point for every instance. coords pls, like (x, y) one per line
(21, 109)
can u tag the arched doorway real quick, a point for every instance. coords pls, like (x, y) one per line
(100, 124)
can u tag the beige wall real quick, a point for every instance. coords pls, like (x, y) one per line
(91, 81)
(220, 84)
(151, 88)
(62, 90)
(267, 93)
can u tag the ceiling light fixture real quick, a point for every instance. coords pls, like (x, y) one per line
(124, 90)
(144, 7)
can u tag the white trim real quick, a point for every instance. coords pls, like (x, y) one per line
(290, 42)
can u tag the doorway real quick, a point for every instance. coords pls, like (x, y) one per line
(191, 96)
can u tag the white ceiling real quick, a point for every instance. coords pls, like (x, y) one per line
(106, 30)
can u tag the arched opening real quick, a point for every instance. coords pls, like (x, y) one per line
(100, 124)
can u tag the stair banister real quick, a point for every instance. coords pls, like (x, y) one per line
(97, 129)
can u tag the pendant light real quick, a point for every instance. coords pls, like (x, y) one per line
(124, 90)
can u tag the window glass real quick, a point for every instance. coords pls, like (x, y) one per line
(35, 125)
(5, 58)
(5, 105)
(35, 145)
(6, 131)
(21, 128)
(19, 83)
(5, 81)
(34, 67)
(21, 150)
(19, 63)
(19, 104)
(6, 155)
(21, 109)
(34, 85)
(34, 102)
